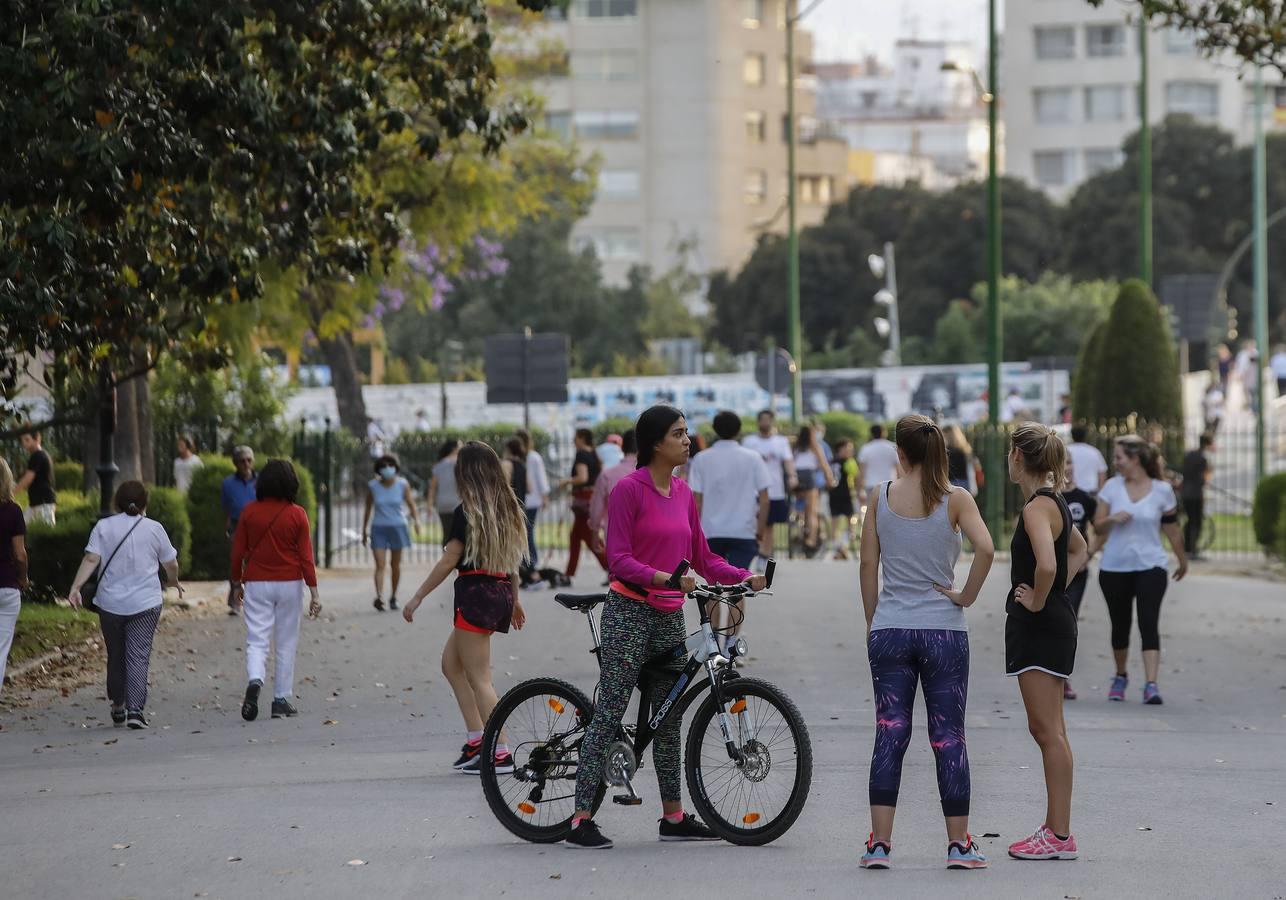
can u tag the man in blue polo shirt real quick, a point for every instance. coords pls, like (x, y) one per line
(238, 491)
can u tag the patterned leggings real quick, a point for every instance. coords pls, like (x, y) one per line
(939, 660)
(632, 633)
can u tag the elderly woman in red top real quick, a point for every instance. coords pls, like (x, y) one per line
(652, 526)
(272, 560)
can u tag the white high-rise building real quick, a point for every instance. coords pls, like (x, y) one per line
(683, 103)
(1070, 82)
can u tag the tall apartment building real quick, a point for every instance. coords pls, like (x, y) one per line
(684, 104)
(911, 111)
(1070, 82)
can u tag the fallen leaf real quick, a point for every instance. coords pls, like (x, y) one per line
(112, 741)
(1145, 828)
(120, 846)
(357, 862)
(234, 859)
(556, 876)
(330, 722)
(991, 834)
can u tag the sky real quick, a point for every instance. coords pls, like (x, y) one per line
(852, 29)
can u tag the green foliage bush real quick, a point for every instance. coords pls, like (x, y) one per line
(69, 476)
(1267, 515)
(54, 552)
(1084, 396)
(614, 425)
(210, 547)
(841, 425)
(167, 506)
(1281, 533)
(1136, 370)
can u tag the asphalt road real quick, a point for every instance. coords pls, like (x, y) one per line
(1184, 800)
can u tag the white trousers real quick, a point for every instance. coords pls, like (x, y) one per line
(272, 612)
(10, 603)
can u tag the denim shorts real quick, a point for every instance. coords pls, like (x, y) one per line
(390, 537)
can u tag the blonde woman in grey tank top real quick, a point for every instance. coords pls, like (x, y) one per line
(916, 632)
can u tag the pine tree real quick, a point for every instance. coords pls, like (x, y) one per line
(1083, 378)
(1135, 370)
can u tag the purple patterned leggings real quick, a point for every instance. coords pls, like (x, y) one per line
(939, 660)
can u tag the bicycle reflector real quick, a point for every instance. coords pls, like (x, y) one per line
(750, 818)
(527, 808)
(739, 706)
(555, 705)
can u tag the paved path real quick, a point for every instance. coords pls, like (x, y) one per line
(1185, 800)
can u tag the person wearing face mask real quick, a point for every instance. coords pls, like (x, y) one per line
(384, 524)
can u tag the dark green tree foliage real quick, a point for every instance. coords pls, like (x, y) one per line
(1135, 369)
(156, 155)
(1084, 393)
(1255, 30)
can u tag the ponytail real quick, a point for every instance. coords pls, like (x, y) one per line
(1042, 452)
(1144, 452)
(921, 441)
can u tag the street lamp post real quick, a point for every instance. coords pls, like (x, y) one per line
(885, 267)
(1145, 160)
(1260, 307)
(792, 245)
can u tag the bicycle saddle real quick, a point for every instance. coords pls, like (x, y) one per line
(580, 602)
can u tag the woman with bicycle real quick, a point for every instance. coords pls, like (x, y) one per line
(1047, 551)
(486, 546)
(916, 631)
(653, 525)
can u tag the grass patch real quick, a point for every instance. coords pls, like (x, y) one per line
(44, 626)
(1233, 534)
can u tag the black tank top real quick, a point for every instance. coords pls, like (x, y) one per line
(1022, 558)
(519, 480)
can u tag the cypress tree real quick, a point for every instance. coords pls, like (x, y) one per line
(1083, 378)
(1136, 369)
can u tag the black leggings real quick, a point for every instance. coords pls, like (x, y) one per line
(1120, 590)
(1076, 590)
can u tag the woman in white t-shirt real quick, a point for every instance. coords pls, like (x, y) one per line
(131, 549)
(1134, 509)
(812, 469)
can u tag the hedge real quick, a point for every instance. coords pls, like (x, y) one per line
(1281, 532)
(69, 475)
(1266, 516)
(211, 549)
(166, 506)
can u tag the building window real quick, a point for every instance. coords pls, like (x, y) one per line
(605, 65)
(756, 127)
(752, 13)
(816, 189)
(1053, 168)
(756, 186)
(606, 9)
(1056, 42)
(1053, 105)
(618, 184)
(1105, 103)
(752, 69)
(1104, 40)
(1102, 160)
(606, 125)
(560, 123)
(1199, 99)
(1180, 43)
(611, 244)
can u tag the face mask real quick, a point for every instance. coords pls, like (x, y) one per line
(388, 472)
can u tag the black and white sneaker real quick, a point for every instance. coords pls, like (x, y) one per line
(467, 752)
(118, 715)
(690, 829)
(392, 603)
(250, 705)
(281, 708)
(504, 765)
(134, 719)
(379, 604)
(586, 836)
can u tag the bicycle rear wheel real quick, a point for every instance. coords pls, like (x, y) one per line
(543, 721)
(756, 802)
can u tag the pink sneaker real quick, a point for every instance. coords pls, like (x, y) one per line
(1044, 844)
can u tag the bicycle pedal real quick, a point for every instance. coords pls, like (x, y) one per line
(627, 800)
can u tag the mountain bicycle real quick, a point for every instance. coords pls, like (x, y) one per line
(748, 760)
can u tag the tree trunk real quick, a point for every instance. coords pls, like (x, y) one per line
(341, 356)
(146, 442)
(127, 432)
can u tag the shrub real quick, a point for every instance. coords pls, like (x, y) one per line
(1136, 368)
(616, 425)
(167, 506)
(841, 425)
(307, 496)
(54, 552)
(211, 550)
(1266, 517)
(1084, 394)
(1281, 532)
(69, 476)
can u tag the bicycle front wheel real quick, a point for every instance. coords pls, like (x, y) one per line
(543, 721)
(755, 801)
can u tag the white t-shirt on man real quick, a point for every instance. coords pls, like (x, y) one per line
(774, 450)
(184, 469)
(132, 582)
(879, 461)
(729, 478)
(1087, 465)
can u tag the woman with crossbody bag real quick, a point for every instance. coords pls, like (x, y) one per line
(128, 598)
(272, 560)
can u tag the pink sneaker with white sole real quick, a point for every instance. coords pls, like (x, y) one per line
(1044, 844)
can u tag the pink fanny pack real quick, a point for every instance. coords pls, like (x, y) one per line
(665, 600)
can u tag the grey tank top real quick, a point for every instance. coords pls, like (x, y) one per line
(916, 554)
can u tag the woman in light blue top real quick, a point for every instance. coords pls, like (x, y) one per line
(388, 498)
(916, 632)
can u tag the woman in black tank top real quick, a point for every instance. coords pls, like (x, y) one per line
(1040, 626)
